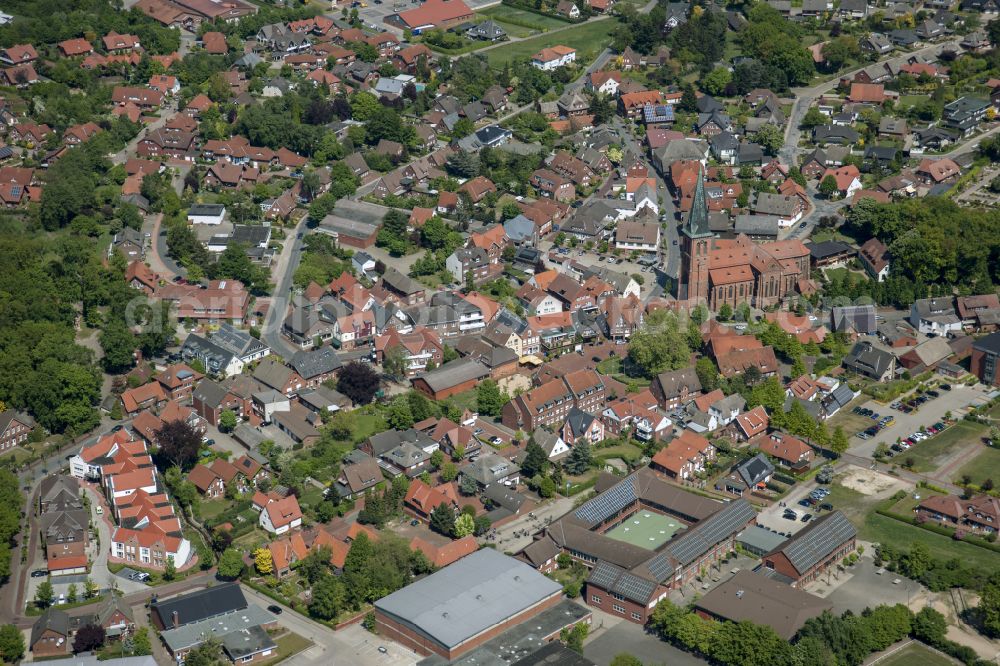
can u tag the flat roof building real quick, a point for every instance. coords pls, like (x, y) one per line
(464, 605)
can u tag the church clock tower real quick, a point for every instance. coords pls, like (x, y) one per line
(696, 242)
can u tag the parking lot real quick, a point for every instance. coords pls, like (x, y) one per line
(856, 587)
(955, 401)
(773, 517)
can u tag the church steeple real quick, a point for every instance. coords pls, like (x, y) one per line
(697, 222)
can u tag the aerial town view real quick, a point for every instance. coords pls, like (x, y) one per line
(500, 332)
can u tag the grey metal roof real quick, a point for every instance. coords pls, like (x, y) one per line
(454, 373)
(200, 605)
(815, 543)
(247, 642)
(760, 539)
(469, 597)
(316, 362)
(754, 470)
(195, 633)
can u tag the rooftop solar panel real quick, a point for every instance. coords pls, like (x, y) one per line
(608, 503)
(813, 544)
(660, 567)
(715, 529)
(634, 588)
(604, 574)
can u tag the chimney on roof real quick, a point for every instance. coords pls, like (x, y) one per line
(176, 619)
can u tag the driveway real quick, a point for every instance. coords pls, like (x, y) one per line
(348, 647)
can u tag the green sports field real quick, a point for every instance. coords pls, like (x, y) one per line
(646, 530)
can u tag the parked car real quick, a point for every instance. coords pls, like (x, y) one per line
(39, 573)
(277, 610)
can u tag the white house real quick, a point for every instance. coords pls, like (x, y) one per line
(935, 316)
(605, 83)
(212, 214)
(266, 403)
(727, 409)
(280, 516)
(553, 58)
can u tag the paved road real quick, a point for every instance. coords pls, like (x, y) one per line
(283, 271)
(804, 98)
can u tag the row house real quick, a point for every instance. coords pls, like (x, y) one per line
(981, 514)
(162, 143)
(551, 402)
(231, 176)
(141, 97)
(571, 167)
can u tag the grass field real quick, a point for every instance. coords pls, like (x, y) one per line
(984, 466)
(916, 654)
(851, 423)
(588, 39)
(930, 450)
(853, 504)
(885, 530)
(646, 529)
(521, 19)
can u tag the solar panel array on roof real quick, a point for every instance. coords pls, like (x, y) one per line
(618, 581)
(608, 503)
(604, 574)
(660, 566)
(634, 588)
(715, 529)
(813, 544)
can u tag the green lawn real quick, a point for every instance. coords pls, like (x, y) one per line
(851, 423)
(588, 39)
(853, 504)
(288, 644)
(213, 508)
(984, 466)
(521, 18)
(466, 399)
(925, 453)
(610, 366)
(627, 452)
(917, 654)
(367, 425)
(880, 529)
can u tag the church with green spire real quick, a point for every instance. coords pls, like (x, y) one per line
(729, 271)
